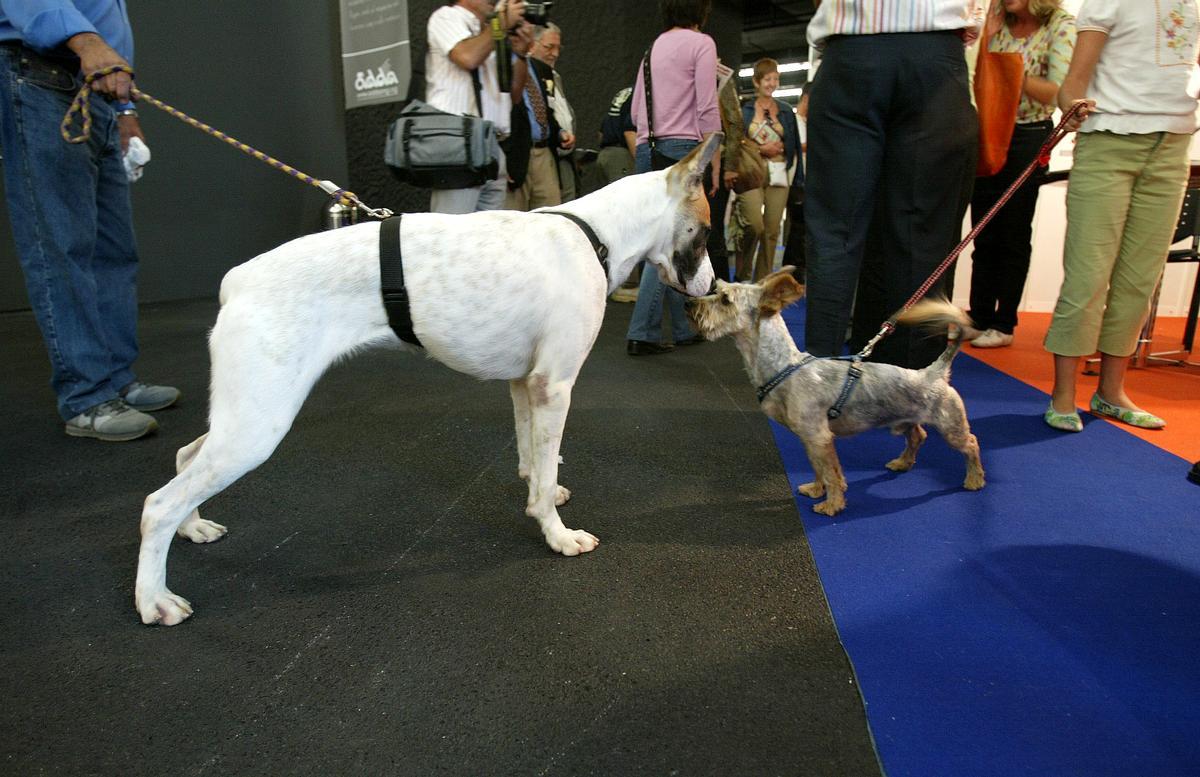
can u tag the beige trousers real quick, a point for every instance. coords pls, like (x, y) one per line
(541, 183)
(1123, 203)
(762, 212)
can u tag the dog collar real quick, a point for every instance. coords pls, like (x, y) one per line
(597, 246)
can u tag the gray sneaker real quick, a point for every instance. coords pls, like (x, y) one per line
(113, 421)
(144, 397)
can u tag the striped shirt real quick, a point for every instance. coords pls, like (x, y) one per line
(448, 87)
(871, 17)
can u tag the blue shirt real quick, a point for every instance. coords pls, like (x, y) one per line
(45, 25)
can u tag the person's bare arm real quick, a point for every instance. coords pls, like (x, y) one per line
(631, 143)
(1088, 47)
(1039, 89)
(470, 53)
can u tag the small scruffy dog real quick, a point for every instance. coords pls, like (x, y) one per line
(799, 390)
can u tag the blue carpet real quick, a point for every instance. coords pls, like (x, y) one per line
(1048, 624)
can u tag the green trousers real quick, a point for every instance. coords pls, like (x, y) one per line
(1123, 203)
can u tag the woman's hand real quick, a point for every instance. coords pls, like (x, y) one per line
(1089, 106)
(731, 177)
(772, 149)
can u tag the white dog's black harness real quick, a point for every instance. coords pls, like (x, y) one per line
(391, 281)
(597, 246)
(391, 272)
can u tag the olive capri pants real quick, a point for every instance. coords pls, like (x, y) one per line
(1123, 203)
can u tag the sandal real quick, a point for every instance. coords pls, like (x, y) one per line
(1064, 422)
(1138, 418)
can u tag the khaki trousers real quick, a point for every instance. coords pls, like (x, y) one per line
(1123, 203)
(541, 183)
(762, 212)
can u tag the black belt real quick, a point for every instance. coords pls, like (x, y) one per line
(391, 281)
(541, 144)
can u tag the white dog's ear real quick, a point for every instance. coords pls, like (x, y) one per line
(691, 167)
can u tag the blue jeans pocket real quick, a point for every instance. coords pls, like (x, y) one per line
(46, 72)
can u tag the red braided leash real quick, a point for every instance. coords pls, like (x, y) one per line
(1043, 160)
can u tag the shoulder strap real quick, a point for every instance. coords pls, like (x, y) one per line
(478, 87)
(391, 281)
(649, 98)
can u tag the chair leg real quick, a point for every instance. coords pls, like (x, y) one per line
(1189, 335)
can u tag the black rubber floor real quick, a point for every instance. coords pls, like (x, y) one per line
(383, 606)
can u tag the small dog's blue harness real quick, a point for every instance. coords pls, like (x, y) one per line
(852, 378)
(391, 272)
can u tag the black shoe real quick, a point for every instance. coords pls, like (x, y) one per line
(1194, 475)
(646, 348)
(693, 340)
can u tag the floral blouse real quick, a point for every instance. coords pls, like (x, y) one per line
(1047, 54)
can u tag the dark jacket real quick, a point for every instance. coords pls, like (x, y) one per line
(791, 129)
(520, 141)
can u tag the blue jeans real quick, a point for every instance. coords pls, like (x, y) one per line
(646, 324)
(73, 225)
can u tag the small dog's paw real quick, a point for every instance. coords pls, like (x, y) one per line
(199, 530)
(164, 609)
(572, 542)
(900, 464)
(562, 497)
(829, 507)
(974, 481)
(815, 489)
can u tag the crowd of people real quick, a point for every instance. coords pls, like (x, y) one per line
(875, 171)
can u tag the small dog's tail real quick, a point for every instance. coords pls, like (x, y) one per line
(940, 315)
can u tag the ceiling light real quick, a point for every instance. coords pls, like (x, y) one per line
(784, 67)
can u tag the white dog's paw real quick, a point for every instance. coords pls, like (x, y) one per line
(164, 609)
(572, 542)
(562, 497)
(199, 530)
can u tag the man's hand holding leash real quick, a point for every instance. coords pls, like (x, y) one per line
(94, 54)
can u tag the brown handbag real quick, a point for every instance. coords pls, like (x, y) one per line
(998, 80)
(751, 167)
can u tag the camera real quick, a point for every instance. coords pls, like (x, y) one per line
(538, 13)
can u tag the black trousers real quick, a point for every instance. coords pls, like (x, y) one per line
(718, 254)
(1000, 261)
(892, 143)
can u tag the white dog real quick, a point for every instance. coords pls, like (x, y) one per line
(505, 295)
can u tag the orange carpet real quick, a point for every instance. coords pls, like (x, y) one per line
(1167, 391)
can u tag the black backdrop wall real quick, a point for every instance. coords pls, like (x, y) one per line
(268, 73)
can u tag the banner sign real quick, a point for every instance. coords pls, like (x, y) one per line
(376, 65)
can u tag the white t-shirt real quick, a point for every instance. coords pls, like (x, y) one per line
(1141, 80)
(448, 87)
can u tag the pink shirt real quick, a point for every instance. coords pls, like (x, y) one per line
(683, 71)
